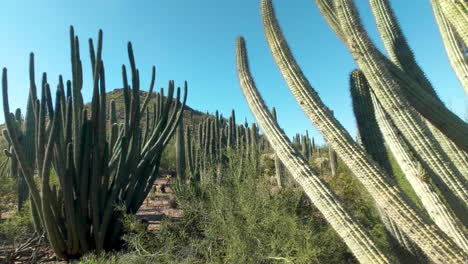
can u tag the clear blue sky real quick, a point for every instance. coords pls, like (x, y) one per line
(194, 41)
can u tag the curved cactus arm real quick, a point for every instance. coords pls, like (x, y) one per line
(382, 79)
(50, 213)
(432, 241)
(376, 119)
(372, 139)
(150, 91)
(328, 11)
(453, 46)
(442, 215)
(456, 12)
(402, 56)
(395, 43)
(352, 33)
(458, 157)
(321, 195)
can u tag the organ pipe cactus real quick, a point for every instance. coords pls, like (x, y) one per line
(214, 139)
(389, 82)
(442, 215)
(402, 56)
(333, 161)
(373, 142)
(180, 151)
(326, 201)
(456, 12)
(421, 230)
(96, 170)
(395, 88)
(279, 168)
(12, 162)
(456, 50)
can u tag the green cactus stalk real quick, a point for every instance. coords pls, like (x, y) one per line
(421, 230)
(96, 170)
(180, 151)
(333, 161)
(279, 167)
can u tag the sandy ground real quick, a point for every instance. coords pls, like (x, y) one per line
(155, 208)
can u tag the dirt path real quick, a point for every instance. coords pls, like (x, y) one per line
(158, 205)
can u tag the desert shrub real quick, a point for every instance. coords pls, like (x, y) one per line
(238, 219)
(7, 194)
(17, 226)
(103, 258)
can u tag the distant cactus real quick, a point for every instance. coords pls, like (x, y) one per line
(180, 151)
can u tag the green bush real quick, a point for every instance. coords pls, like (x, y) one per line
(19, 225)
(240, 220)
(7, 194)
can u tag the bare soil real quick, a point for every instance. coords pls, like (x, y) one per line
(158, 206)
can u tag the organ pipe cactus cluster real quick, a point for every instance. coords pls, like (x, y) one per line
(99, 165)
(420, 116)
(304, 145)
(209, 146)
